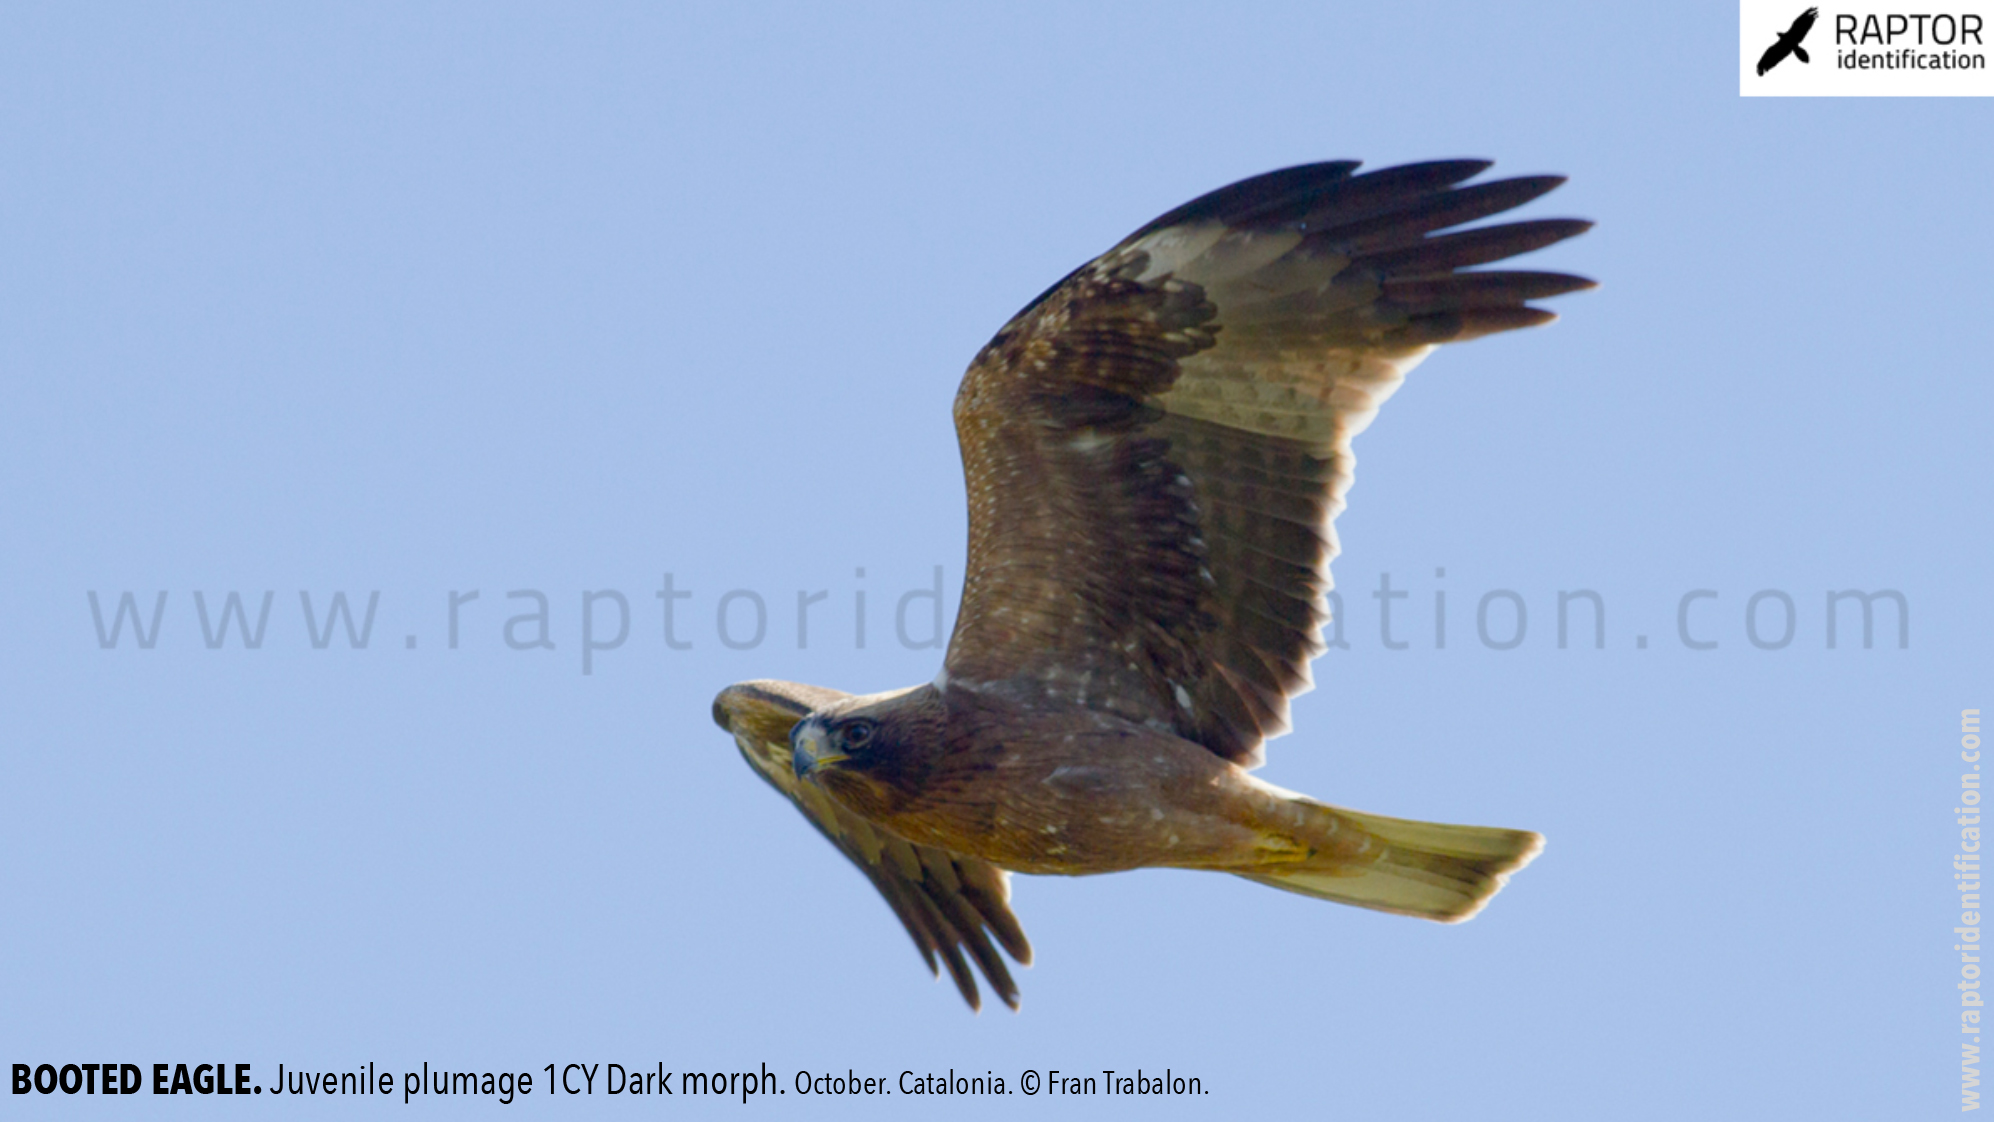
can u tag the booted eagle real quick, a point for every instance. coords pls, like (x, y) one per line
(1155, 449)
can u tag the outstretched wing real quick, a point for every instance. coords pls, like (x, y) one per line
(1154, 449)
(949, 903)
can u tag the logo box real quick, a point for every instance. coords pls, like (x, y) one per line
(1865, 49)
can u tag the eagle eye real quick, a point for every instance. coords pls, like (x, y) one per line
(858, 734)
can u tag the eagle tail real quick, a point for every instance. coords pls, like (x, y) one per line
(1425, 869)
(1801, 54)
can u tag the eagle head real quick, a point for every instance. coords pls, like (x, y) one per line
(820, 742)
(865, 749)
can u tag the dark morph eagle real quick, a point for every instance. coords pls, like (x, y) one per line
(1154, 451)
(1789, 43)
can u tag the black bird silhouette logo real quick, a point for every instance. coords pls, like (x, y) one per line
(1789, 43)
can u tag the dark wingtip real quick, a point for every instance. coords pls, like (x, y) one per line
(1255, 196)
(965, 984)
(1529, 187)
(1477, 245)
(1431, 174)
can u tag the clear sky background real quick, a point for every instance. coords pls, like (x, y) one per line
(422, 300)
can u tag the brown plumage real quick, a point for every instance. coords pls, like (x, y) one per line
(1154, 451)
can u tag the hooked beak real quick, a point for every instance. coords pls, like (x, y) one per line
(810, 748)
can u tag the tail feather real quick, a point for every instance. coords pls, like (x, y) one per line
(1425, 869)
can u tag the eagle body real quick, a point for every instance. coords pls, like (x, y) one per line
(1077, 791)
(1154, 451)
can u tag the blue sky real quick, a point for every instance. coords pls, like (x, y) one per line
(423, 300)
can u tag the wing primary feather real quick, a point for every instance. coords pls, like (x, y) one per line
(1406, 221)
(1454, 292)
(910, 915)
(1479, 246)
(1471, 323)
(985, 887)
(970, 929)
(1387, 189)
(951, 953)
(1239, 203)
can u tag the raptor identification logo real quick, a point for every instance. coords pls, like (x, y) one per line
(1868, 48)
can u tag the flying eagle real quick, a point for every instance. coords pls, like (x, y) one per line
(1789, 43)
(1154, 451)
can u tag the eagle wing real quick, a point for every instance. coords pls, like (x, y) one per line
(949, 903)
(1155, 448)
